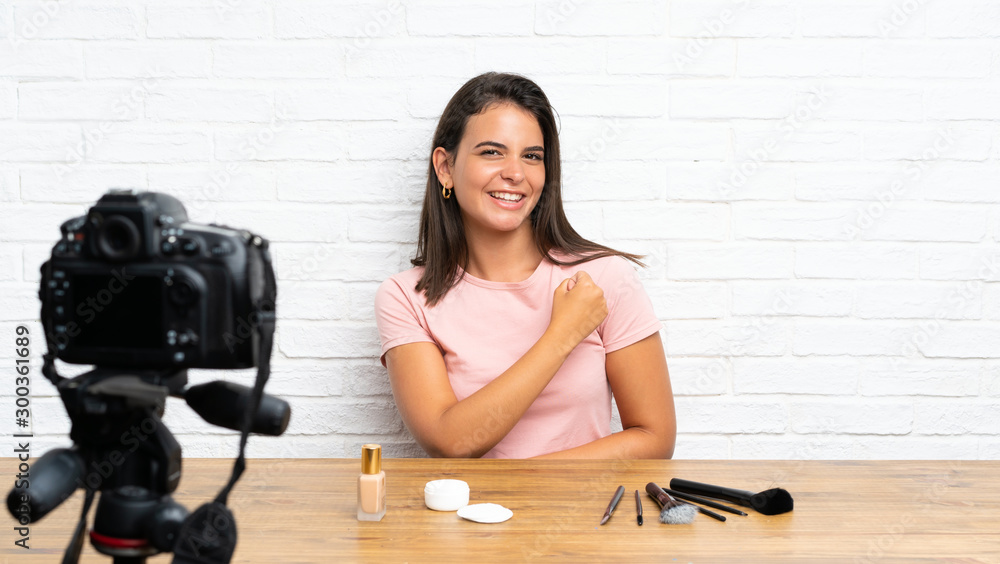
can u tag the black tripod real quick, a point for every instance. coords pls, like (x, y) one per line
(124, 450)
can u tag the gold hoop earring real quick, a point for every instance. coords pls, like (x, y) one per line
(446, 192)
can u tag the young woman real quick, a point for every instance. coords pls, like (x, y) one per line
(511, 333)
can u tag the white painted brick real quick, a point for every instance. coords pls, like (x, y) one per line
(7, 20)
(645, 220)
(424, 18)
(278, 59)
(56, 59)
(732, 415)
(329, 339)
(37, 142)
(691, 57)
(793, 447)
(589, 222)
(851, 416)
(718, 98)
(728, 182)
(381, 140)
(79, 20)
(537, 57)
(732, 18)
(956, 417)
(305, 102)
(8, 99)
(10, 185)
(957, 339)
(18, 301)
(811, 298)
(397, 59)
(83, 184)
(279, 141)
(311, 300)
(869, 261)
(693, 446)
(366, 20)
(755, 337)
(355, 182)
(365, 377)
(383, 225)
(723, 262)
(926, 143)
(825, 376)
(626, 99)
(990, 297)
(171, 102)
(699, 376)
(852, 338)
(873, 101)
(876, 183)
(688, 300)
(320, 416)
(625, 18)
(966, 182)
(943, 224)
(963, 18)
(991, 380)
(812, 58)
(792, 141)
(246, 19)
(915, 300)
(428, 100)
(199, 187)
(589, 181)
(860, 18)
(286, 221)
(918, 448)
(69, 101)
(790, 222)
(35, 254)
(156, 60)
(962, 102)
(894, 377)
(11, 262)
(959, 262)
(127, 143)
(643, 140)
(361, 298)
(920, 58)
(310, 261)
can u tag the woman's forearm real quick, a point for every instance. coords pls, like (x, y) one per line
(631, 443)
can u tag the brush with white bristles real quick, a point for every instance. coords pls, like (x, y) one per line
(673, 512)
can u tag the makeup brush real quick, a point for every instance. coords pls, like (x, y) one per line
(703, 501)
(769, 502)
(674, 512)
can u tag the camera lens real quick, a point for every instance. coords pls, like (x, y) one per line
(118, 238)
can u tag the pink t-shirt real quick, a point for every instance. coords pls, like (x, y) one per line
(483, 327)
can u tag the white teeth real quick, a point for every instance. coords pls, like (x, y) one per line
(506, 196)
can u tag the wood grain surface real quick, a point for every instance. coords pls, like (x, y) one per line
(305, 511)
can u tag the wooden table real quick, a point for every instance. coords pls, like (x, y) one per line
(304, 511)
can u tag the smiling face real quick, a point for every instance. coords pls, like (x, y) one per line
(497, 171)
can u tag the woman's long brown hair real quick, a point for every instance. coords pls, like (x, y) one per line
(441, 245)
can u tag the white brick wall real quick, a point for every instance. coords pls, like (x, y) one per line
(814, 185)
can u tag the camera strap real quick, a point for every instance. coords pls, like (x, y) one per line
(208, 536)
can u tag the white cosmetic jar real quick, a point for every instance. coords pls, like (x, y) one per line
(446, 495)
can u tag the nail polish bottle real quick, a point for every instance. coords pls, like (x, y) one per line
(371, 484)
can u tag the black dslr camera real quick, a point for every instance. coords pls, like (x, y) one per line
(136, 290)
(132, 284)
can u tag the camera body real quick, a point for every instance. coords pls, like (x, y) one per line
(134, 284)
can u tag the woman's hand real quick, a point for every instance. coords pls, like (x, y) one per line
(578, 308)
